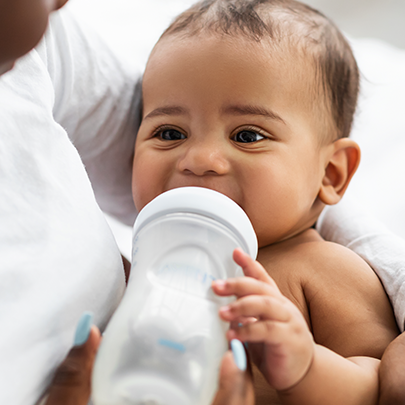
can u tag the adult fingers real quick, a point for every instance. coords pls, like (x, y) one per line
(235, 383)
(72, 381)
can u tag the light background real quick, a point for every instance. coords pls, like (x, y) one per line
(131, 27)
(135, 25)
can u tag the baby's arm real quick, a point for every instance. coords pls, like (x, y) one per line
(392, 373)
(301, 371)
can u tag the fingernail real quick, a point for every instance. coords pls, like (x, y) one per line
(220, 284)
(224, 309)
(239, 354)
(83, 328)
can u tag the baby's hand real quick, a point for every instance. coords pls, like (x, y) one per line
(279, 339)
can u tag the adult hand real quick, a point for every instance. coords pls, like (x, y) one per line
(72, 382)
(235, 382)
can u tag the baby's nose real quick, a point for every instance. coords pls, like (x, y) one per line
(204, 158)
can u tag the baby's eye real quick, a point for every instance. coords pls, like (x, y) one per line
(171, 135)
(246, 136)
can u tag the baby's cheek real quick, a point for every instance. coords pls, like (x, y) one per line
(139, 189)
(146, 182)
(139, 194)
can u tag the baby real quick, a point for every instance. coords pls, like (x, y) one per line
(255, 99)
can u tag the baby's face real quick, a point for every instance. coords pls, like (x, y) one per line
(227, 115)
(22, 24)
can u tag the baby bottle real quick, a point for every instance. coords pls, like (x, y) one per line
(165, 342)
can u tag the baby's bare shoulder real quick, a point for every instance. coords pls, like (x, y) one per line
(318, 261)
(349, 309)
(330, 259)
(332, 266)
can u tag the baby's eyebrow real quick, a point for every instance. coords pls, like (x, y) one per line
(236, 109)
(169, 110)
(251, 110)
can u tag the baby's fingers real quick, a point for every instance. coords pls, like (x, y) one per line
(268, 331)
(241, 287)
(252, 268)
(260, 307)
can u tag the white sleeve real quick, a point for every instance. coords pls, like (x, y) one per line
(97, 101)
(350, 225)
(58, 257)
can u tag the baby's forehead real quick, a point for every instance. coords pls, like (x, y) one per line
(288, 74)
(288, 54)
(307, 44)
(294, 63)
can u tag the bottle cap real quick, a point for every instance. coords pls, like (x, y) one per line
(205, 202)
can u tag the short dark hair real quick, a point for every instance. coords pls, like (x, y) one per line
(281, 21)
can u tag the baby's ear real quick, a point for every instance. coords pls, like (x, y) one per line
(343, 161)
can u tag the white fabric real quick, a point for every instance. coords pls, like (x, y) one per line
(57, 254)
(370, 219)
(352, 226)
